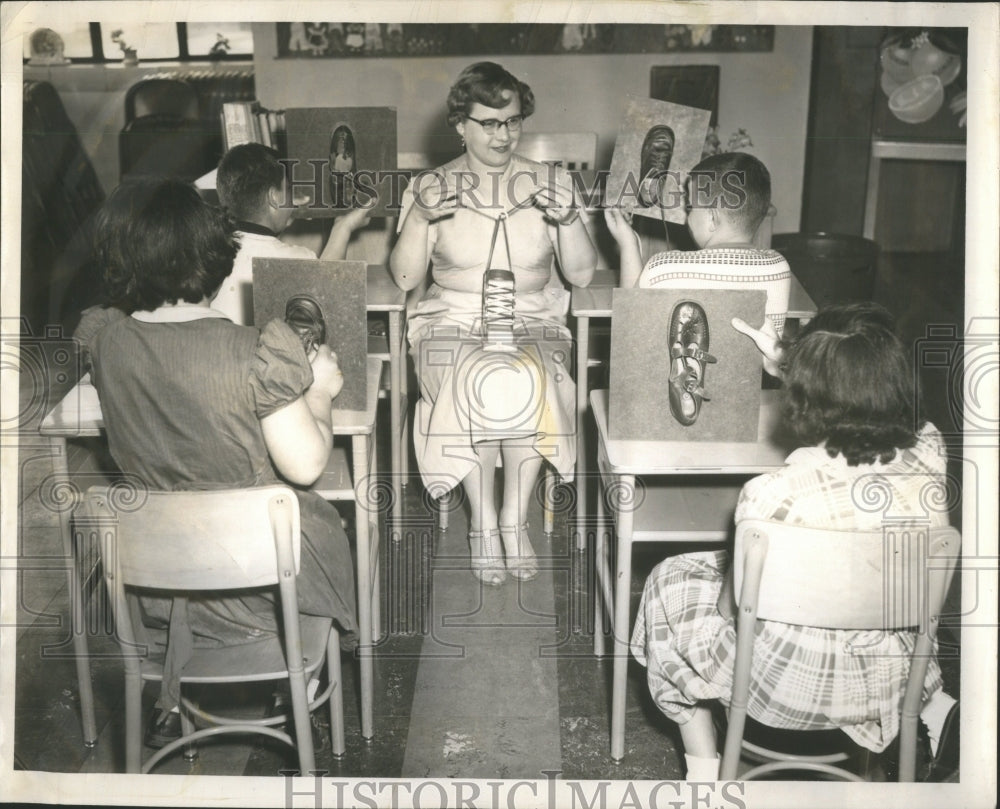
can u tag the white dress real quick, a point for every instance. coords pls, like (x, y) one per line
(469, 395)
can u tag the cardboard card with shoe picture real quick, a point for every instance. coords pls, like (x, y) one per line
(658, 143)
(679, 370)
(325, 303)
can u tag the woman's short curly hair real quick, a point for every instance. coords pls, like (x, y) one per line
(848, 384)
(486, 83)
(159, 242)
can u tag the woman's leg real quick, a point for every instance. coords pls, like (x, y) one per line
(484, 538)
(521, 465)
(480, 487)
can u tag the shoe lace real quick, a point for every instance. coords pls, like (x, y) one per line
(498, 291)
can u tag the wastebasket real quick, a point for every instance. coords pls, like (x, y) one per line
(832, 267)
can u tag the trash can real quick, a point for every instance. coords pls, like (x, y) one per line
(832, 267)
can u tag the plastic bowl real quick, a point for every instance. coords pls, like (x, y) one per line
(895, 59)
(918, 100)
(928, 59)
(888, 84)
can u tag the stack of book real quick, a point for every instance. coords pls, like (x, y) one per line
(249, 122)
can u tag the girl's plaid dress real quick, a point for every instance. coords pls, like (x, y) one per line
(803, 677)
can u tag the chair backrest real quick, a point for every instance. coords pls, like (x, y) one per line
(892, 578)
(571, 150)
(202, 540)
(171, 97)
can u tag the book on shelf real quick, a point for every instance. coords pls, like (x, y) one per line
(248, 122)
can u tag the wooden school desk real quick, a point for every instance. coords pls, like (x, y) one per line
(594, 302)
(665, 491)
(79, 415)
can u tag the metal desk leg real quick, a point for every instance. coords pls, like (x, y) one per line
(360, 457)
(397, 439)
(582, 359)
(374, 537)
(77, 615)
(602, 573)
(623, 577)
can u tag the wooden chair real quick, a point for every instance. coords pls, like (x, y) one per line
(215, 541)
(895, 578)
(571, 150)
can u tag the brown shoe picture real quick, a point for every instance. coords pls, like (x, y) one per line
(305, 317)
(688, 336)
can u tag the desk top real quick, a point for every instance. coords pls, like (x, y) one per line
(595, 300)
(383, 294)
(78, 413)
(697, 457)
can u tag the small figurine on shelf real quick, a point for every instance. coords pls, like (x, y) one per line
(130, 56)
(221, 47)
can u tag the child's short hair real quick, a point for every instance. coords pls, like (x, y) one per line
(737, 184)
(848, 383)
(246, 174)
(159, 242)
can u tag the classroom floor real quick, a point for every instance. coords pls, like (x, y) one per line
(470, 681)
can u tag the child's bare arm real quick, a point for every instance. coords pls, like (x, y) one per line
(628, 247)
(340, 233)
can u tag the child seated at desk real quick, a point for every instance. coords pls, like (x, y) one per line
(685, 632)
(252, 188)
(728, 196)
(191, 400)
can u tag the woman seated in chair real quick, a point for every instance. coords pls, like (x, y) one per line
(192, 401)
(849, 399)
(492, 209)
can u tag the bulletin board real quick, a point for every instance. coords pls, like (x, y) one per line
(311, 40)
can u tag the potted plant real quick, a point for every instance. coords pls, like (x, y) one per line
(130, 55)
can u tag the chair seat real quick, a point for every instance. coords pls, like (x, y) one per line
(257, 661)
(768, 743)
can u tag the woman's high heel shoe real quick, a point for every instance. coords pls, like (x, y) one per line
(521, 560)
(487, 564)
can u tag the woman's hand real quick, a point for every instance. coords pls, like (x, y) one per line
(327, 376)
(767, 342)
(557, 202)
(433, 198)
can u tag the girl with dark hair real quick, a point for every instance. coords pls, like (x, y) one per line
(492, 210)
(849, 399)
(192, 401)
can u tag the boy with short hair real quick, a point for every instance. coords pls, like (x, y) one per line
(728, 196)
(251, 186)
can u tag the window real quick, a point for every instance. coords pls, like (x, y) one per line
(150, 40)
(203, 37)
(92, 42)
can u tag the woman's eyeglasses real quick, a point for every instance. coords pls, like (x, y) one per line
(491, 125)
